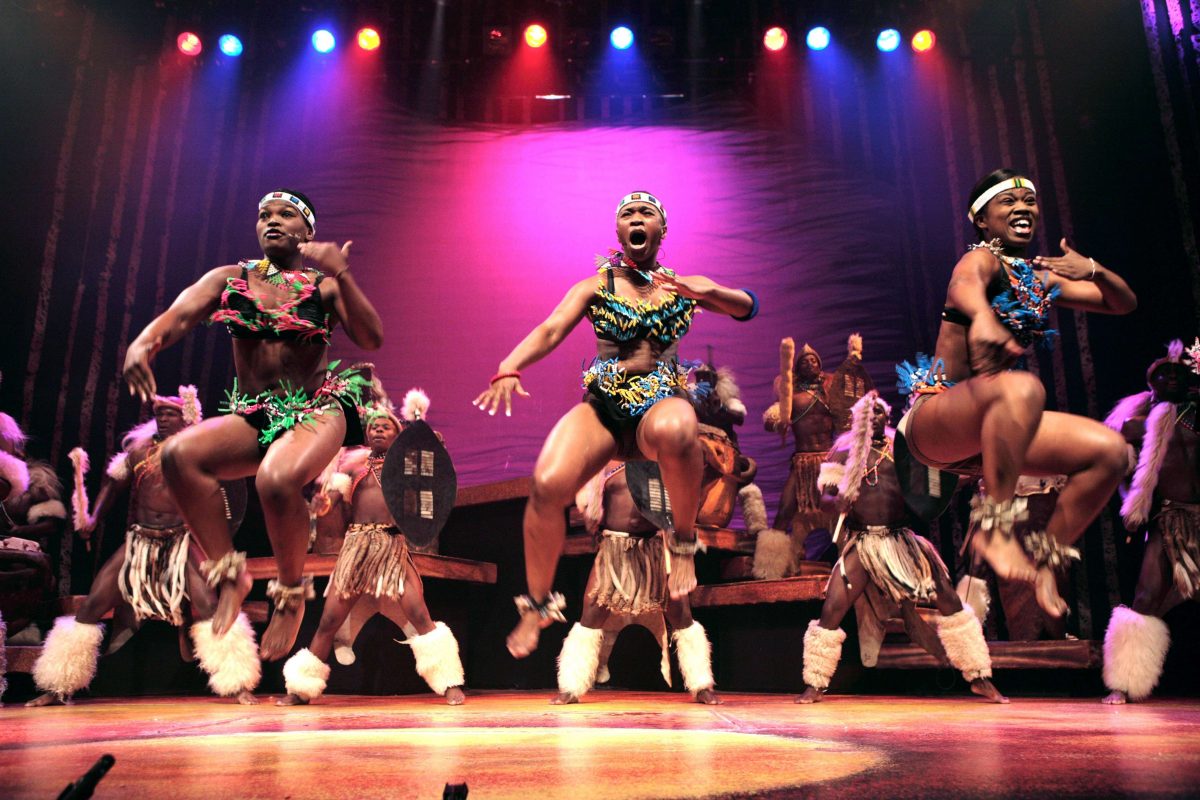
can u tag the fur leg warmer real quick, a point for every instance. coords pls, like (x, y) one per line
(822, 652)
(579, 659)
(772, 554)
(231, 660)
(1135, 646)
(437, 658)
(695, 658)
(961, 635)
(305, 675)
(69, 654)
(754, 510)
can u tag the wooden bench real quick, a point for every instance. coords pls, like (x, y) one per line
(1058, 654)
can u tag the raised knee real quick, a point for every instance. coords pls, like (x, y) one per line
(275, 487)
(173, 455)
(678, 433)
(1024, 388)
(551, 488)
(1114, 452)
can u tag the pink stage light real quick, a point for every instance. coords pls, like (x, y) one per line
(189, 43)
(923, 41)
(775, 39)
(535, 36)
(368, 39)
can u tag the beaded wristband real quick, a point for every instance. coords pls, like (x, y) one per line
(550, 608)
(753, 312)
(516, 373)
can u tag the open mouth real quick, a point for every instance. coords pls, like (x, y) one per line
(1022, 226)
(638, 238)
(273, 235)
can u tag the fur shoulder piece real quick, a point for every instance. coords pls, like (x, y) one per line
(338, 482)
(831, 475)
(118, 467)
(14, 472)
(1135, 405)
(140, 436)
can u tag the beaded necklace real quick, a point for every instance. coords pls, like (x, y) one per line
(872, 476)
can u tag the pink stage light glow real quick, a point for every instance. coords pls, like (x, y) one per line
(189, 43)
(535, 36)
(368, 39)
(775, 39)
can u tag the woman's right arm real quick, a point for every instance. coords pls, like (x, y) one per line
(992, 346)
(536, 346)
(192, 307)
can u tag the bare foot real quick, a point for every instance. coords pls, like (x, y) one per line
(707, 697)
(290, 699)
(1115, 698)
(985, 688)
(281, 632)
(455, 696)
(810, 696)
(564, 699)
(229, 604)
(1005, 556)
(1046, 590)
(49, 699)
(682, 579)
(247, 698)
(524, 638)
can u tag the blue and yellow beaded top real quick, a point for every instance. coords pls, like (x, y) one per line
(618, 319)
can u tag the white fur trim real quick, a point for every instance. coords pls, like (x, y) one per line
(192, 411)
(68, 659)
(437, 658)
(736, 406)
(339, 482)
(772, 554)
(50, 509)
(415, 405)
(118, 467)
(14, 471)
(854, 346)
(231, 660)
(305, 675)
(831, 475)
(772, 418)
(1160, 428)
(961, 635)
(79, 499)
(974, 592)
(1135, 405)
(822, 652)
(754, 510)
(858, 452)
(140, 437)
(11, 433)
(579, 660)
(695, 657)
(1135, 646)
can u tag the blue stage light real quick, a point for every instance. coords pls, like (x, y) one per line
(621, 38)
(818, 38)
(888, 40)
(323, 41)
(230, 45)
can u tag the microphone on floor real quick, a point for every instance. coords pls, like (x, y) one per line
(84, 787)
(455, 791)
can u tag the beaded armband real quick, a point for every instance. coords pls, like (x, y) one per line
(1046, 551)
(551, 608)
(226, 568)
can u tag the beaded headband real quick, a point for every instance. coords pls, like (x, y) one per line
(1002, 186)
(287, 197)
(643, 197)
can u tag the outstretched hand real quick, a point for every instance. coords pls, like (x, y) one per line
(695, 287)
(138, 373)
(1070, 265)
(500, 392)
(327, 256)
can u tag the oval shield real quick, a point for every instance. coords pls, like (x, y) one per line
(419, 483)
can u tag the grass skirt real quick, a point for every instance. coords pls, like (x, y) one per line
(374, 561)
(153, 579)
(631, 574)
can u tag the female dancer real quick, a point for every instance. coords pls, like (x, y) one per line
(288, 412)
(971, 411)
(634, 409)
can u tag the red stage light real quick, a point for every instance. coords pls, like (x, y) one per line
(189, 43)
(368, 39)
(775, 39)
(535, 36)
(923, 41)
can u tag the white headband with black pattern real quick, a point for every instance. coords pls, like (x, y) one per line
(643, 197)
(288, 197)
(1002, 186)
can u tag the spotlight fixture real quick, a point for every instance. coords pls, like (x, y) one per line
(535, 35)
(818, 38)
(923, 41)
(189, 43)
(368, 39)
(230, 45)
(323, 41)
(888, 40)
(621, 38)
(775, 39)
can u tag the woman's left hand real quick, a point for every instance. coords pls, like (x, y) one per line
(695, 287)
(327, 256)
(1070, 265)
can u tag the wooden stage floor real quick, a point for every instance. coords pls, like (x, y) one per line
(615, 745)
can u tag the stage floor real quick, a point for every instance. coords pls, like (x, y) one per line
(615, 745)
